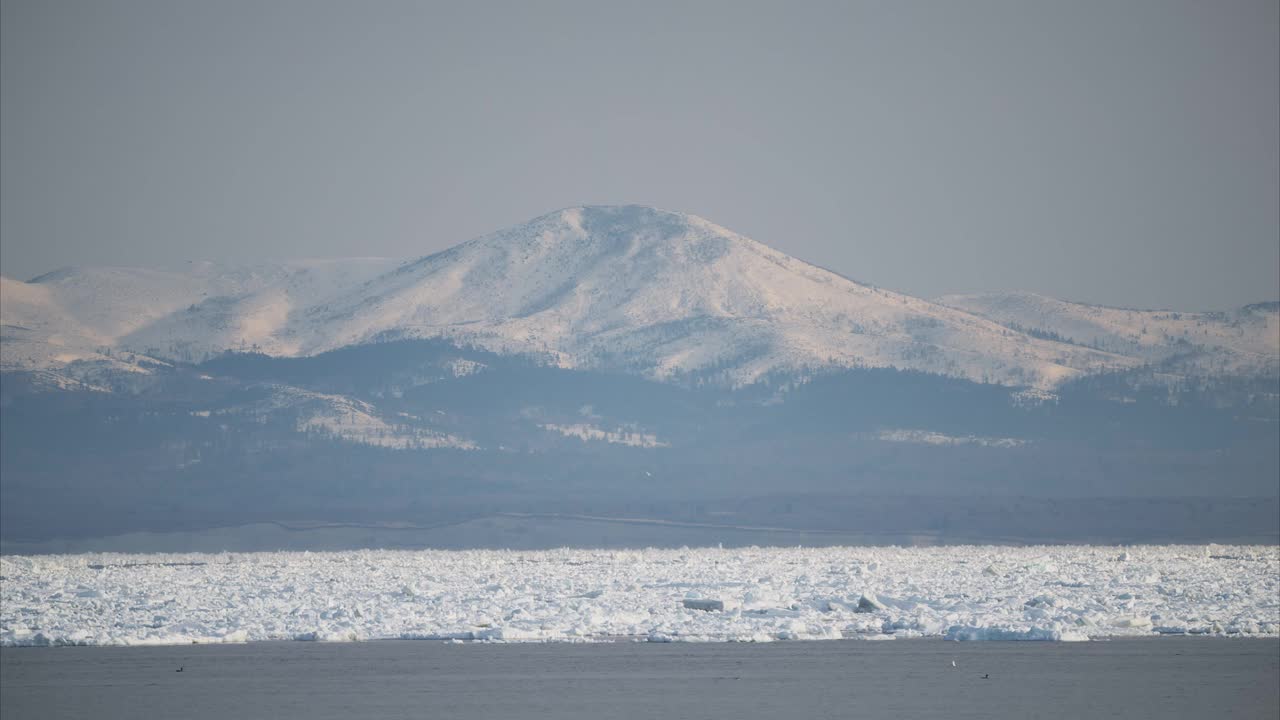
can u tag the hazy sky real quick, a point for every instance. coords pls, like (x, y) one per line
(1122, 152)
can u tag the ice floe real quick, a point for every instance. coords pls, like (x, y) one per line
(749, 594)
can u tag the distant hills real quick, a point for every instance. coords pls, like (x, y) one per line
(660, 294)
(602, 367)
(1243, 341)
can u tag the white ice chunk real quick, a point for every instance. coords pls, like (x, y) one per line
(685, 595)
(869, 603)
(1053, 633)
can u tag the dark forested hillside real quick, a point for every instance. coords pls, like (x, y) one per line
(425, 435)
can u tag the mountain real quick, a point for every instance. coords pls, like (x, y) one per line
(665, 295)
(90, 320)
(671, 295)
(615, 375)
(1244, 341)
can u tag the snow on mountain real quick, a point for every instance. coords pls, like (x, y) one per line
(629, 288)
(667, 295)
(34, 331)
(37, 333)
(257, 311)
(74, 315)
(621, 436)
(1244, 341)
(340, 417)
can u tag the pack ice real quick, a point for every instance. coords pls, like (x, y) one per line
(753, 594)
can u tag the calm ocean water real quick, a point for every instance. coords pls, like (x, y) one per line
(1133, 678)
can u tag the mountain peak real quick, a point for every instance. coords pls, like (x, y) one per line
(614, 226)
(625, 214)
(670, 294)
(632, 288)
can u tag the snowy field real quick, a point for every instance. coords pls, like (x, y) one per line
(754, 594)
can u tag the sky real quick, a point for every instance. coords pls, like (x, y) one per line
(1122, 152)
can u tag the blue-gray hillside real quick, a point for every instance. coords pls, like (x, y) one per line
(425, 433)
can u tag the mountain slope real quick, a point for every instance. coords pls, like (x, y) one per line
(1244, 341)
(668, 295)
(74, 314)
(256, 313)
(623, 288)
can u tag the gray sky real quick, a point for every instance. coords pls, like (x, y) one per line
(1123, 152)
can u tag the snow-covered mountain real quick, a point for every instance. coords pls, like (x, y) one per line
(77, 315)
(662, 294)
(1243, 341)
(668, 294)
(114, 423)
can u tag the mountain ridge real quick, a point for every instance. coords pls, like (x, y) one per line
(1241, 341)
(666, 295)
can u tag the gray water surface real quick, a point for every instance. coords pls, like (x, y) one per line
(1135, 678)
